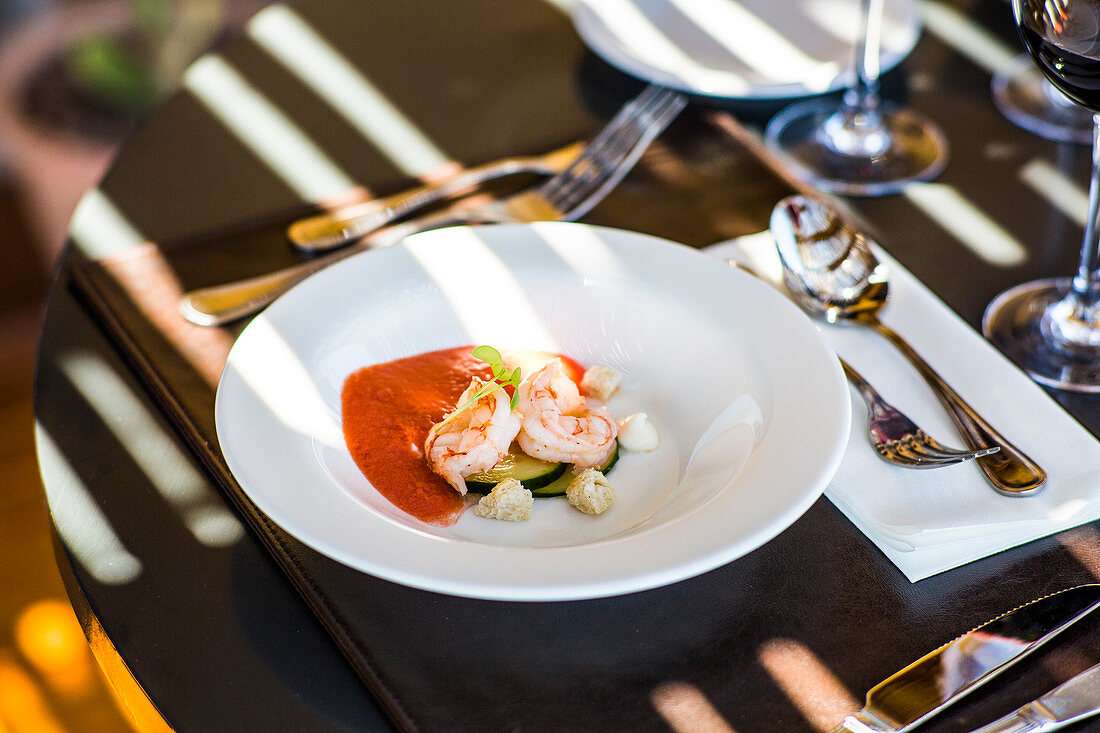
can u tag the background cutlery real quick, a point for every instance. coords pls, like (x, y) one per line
(897, 439)
(332, 229)
(833, 274)
(1068, 703)
(565, 197)
(894, 436)
(940, 678)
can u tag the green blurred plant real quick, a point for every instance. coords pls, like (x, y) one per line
(132, 71)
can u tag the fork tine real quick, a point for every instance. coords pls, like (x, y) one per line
(932, 449)
(628, 112)
(609, 146)
(914, 453)
(898, 440)
(611, 156)
(908, 461)
(921, 451)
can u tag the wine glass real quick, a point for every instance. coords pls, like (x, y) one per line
(863, 145)
(1051, 328)
(1024, 95)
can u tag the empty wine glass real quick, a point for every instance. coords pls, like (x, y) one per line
(863, 145)
(1024, 95)
(1051, 328)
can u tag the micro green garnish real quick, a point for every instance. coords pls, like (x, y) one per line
(501, 378)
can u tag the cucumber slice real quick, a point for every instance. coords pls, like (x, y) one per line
(531, 472)
(558, 486)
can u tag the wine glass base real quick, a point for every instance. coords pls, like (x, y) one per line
(1024, 96)
(917, 150)
(1012, 324)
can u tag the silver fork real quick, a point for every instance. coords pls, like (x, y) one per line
(897, 439)
(566, 197)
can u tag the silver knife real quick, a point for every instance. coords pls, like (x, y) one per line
(940, 678)
(332, 229)
(1068, 703)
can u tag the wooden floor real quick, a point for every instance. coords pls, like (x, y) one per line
(49, 682)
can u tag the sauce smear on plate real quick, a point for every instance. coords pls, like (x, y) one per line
(387, 412)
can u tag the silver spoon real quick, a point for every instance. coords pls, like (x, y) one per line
(833, 274)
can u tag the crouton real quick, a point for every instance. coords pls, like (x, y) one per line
(600, 382)
(590, 492)
(508, 501)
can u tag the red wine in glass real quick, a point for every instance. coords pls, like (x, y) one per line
(1063, 38)
(1051, 328)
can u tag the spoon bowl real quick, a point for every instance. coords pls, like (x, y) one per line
(828, 266)
(833, 273)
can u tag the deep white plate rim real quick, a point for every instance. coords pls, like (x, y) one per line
(609, 570)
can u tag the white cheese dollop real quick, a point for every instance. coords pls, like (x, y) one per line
(637, 434)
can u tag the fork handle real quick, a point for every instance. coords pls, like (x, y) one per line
(1011, 472)
(221, 304)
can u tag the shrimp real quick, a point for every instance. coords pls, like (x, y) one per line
(559, 425)
(475, 439)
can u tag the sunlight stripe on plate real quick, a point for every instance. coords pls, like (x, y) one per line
(288, 38)
(265, 130)
(757, 44)
(645, 40)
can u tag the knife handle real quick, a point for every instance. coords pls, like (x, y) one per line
(328, 230)
(218, 305)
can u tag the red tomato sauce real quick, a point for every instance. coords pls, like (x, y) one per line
(387, 412)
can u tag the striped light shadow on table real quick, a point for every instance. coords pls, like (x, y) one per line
(811, 686)
(266, 130)
(166, 466)
(82, 525)
(98, 229)
(290, 40)
(1056, 188)
(687, 710)
(966, 37)
(974, 229)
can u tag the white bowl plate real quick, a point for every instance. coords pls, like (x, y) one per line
(752, 49)
(751, 406)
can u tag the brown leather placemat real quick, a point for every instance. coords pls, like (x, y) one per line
(134, 297)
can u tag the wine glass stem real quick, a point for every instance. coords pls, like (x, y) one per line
(862, 96)
(1074, 322)
(856, 129)
(1087, 283)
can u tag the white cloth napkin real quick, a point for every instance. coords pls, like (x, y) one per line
(930, 521)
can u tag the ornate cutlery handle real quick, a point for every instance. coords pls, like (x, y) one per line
(1010, 471)
(326, 231)
(221, 304)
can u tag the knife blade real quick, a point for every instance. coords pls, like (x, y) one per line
(332, 229)
(940, 678)
(1068, 703)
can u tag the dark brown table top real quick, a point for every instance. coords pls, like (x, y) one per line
(218, 638)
